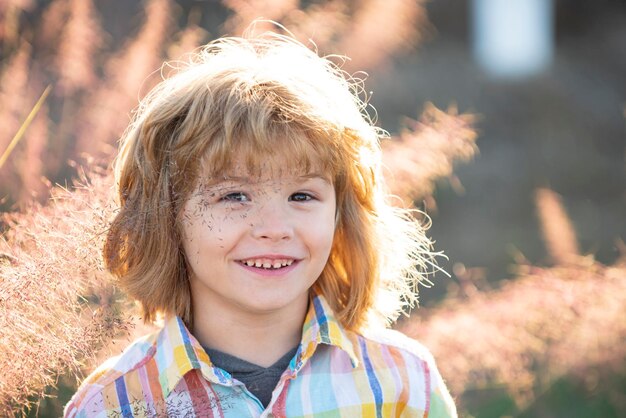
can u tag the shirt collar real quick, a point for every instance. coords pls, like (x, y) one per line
(178, 351)
(321, 327)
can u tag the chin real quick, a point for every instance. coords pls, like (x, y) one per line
(269, 303)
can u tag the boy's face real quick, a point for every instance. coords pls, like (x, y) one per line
(257, 244)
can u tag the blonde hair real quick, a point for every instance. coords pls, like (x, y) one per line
(255, 96)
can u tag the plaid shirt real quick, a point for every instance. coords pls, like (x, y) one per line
(335, 373)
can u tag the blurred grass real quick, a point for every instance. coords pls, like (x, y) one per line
(569, 396)
(54, 399)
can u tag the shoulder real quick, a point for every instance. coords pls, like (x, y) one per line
(135, 355)
(396, 340)
(387, 349)
(399, 353)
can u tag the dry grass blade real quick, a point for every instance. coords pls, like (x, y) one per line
(13, 84)
(556, 227)
(20, 133)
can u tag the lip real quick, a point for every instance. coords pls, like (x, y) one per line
(270, 272)
(272, 257)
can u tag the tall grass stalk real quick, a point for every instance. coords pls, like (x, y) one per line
(20, 133)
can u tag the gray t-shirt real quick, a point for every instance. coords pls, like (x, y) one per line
(260, 381)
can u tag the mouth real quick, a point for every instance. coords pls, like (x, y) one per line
(268, 264)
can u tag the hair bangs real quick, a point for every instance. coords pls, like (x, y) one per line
(258, 145)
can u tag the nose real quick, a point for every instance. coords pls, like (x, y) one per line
(272, 222)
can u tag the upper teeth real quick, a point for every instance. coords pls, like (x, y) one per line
(267, 263)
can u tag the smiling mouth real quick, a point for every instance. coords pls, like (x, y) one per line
(267, 264)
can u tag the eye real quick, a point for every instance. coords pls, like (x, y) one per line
(300, 197)
(237, 197)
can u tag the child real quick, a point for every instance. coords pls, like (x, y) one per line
(254, 219)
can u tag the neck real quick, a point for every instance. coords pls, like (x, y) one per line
(259, 338)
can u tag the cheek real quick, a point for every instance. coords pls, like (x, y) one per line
(213, 231)
(197, 224)
(190, 240)
(323, 231)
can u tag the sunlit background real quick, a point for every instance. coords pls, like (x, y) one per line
(554, 119)
(507, 123)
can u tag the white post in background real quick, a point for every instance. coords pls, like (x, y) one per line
(513, 38)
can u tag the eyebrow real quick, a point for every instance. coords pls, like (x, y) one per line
(316, 176)
(233, 178)
(245, 179)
